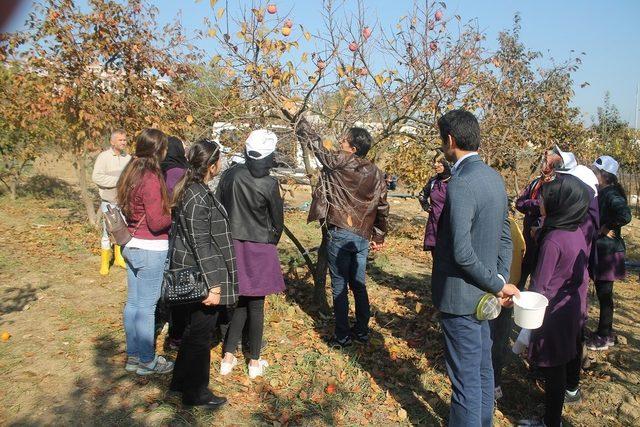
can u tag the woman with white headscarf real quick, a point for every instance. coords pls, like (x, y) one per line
(256, 214)
(614, 213)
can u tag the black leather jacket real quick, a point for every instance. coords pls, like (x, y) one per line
(614, 213)
(252, 199)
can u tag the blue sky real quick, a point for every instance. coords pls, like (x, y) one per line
(607, 31)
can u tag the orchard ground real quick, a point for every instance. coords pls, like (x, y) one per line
(64, 361)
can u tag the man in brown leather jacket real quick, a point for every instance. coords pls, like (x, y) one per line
(351, 201)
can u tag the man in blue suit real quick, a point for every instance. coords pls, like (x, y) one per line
(472, 257)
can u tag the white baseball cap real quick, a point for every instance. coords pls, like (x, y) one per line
(569, 161)
(607, 164)
(261, 143)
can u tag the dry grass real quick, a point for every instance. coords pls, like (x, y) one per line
(65, 358)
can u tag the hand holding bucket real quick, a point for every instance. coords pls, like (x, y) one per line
(529, 309)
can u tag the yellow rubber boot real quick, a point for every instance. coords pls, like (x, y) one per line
(117, 257)
(105, 257)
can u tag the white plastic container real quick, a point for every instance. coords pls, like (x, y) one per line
(529, 308)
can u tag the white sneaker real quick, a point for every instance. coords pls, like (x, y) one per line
(258, 371)
(227, 367)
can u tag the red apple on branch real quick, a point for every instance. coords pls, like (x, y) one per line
(439, 15)
(288, 23)
(321, 65)
(272, 9)
(366, 32)
(433, 45)
(353, 46)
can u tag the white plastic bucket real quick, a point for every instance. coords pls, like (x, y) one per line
(529, 308)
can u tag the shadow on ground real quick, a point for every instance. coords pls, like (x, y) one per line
(15, 299)
(396, 374)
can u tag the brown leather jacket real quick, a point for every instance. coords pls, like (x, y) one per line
(352, 192)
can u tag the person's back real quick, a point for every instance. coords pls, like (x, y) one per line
(354, 193)
(483, 192)
(253, 204)
(351, 202)
(256, 214)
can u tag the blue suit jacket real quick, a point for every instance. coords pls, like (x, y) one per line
(474, 239)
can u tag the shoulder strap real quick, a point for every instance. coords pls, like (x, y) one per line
(172, 238)
(138, 224)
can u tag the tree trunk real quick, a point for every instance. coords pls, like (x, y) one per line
(80, 165)
(320, 277)
(13, 186)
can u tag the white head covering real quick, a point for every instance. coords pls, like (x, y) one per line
(571, 167)
(569, 161)
(607, 164)
(261, 143)
(585, 175)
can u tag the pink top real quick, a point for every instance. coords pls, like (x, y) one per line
(147, 200)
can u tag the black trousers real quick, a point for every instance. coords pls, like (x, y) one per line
(177, 322)
(251, 308)
(604, 290)
(191, 371)
(557, 380)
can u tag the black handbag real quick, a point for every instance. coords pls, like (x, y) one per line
(182, 285)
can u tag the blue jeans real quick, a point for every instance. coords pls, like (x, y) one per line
(468, 359)
(144, 281)
(347, 258)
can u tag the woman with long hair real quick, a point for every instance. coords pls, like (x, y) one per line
(256, 214)
(432, 199)
(142, 196)
(610, 247)
(202, 240)
(561, 276)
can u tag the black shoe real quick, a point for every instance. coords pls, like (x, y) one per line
(572, 399)
(213, 402)
(359, 337)
(339, 343)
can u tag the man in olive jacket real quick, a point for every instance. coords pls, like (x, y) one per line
(351, 202)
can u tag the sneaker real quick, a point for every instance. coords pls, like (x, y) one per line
(258, 371)
(227, 367)
(132, 363)
(572, 397)
(497, 393)
(159, 365)
(339, 343)
(598, 343)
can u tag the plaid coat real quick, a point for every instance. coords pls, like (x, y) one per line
(202, 227)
